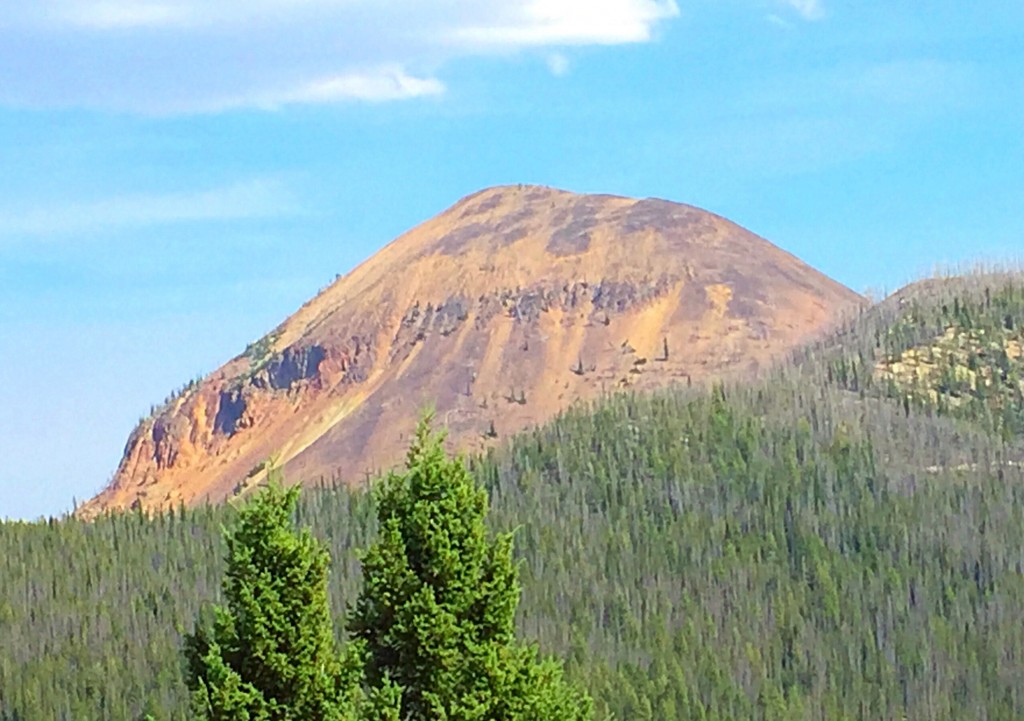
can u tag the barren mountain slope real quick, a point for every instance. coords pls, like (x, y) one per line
(499, 312)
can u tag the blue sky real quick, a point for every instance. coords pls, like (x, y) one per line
(178, 179)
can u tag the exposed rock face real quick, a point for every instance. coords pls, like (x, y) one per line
(499, 312)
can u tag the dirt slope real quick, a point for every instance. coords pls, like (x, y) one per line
(500, 312)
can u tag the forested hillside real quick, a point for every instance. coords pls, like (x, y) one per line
(841, 540)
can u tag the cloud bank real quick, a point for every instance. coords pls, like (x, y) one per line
(192, 56)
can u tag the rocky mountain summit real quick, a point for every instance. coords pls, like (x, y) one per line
(499, 313)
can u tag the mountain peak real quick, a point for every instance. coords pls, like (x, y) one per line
(500, 311)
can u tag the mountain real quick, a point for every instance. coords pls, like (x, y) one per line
(500, 312)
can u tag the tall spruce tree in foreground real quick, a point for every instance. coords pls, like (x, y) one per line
(435, 621)
(271, 654)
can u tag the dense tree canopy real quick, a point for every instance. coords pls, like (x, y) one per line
(840, 540)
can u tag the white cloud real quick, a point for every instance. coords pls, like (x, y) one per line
(384, 83)
(570, 22)
(558, 64)
(195, 56)
(372, 85)
(255, 198)
(807, 9)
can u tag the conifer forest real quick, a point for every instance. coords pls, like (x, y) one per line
(841, 539)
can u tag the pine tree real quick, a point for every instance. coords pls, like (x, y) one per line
(271, 654)
(436, 615)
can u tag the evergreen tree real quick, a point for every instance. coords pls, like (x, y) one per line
(271, 654)
(436, 617)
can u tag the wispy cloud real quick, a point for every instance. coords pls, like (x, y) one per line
(807, 9)
(371, 85)
(112, 15)
(558, 64)
(779, 21)
(193, 56)
(569, 22)
(390, 82)
(250, 199)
